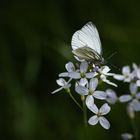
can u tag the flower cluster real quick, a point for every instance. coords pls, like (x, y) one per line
(87, 78)
(133, 78)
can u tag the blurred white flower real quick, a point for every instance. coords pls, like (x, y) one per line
(133, 98)
(63, 85)
(111, 96)
(126, 75)
(99, 115)
(127, 136)
(91, 90)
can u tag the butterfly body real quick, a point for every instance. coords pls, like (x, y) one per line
(86, 45)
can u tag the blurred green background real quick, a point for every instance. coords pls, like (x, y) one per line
(35, 38)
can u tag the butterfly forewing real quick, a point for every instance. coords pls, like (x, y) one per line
(87, 36)
(86, 44)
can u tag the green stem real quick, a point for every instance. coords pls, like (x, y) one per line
(84, 111)
(137, 126)
(69, 92)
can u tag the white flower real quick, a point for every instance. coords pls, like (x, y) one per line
(70, 68)
(99, 115)
(126, 75)
(127, 136)
(83, 72)
(91, 90)
(64, 85)
(133, 98)
(111, 96)
(104, 71)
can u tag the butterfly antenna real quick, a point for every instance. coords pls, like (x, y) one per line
(111, 55)
(111, 63)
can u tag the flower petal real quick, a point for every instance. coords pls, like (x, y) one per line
(126, 70)
(100, 95)
(103, 77)
(64, 74)
(133, 88)
(105, 109)
(93, 83)
(61, 82)
(125, 98)
(93, 120)
(83, 67)
(138, 83)
(105, 70)
(93, 108)
(57, 90)
(104, 122)
(81, 90)
(137, 70)
(70, 67)
(83, 82)
(136, 105)
(74, 75)
(138, 95)
(91, 74)
(111, 96)
(118, 77)
(89, 101)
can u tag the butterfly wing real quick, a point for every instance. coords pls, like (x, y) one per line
(87, 36)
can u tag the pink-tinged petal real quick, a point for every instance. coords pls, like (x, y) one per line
(83, 67)
(104, 122)
(105, 109)
(70, 67)
(126, 70)
(118, 77)
(93, 120)
(90, 102)
(61, 82)
(93, 84)
(100, 95)
(133, 88)
(125, 98)
(81, 90)
(74, 75)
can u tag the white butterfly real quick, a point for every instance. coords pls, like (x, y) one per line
(86, 45)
